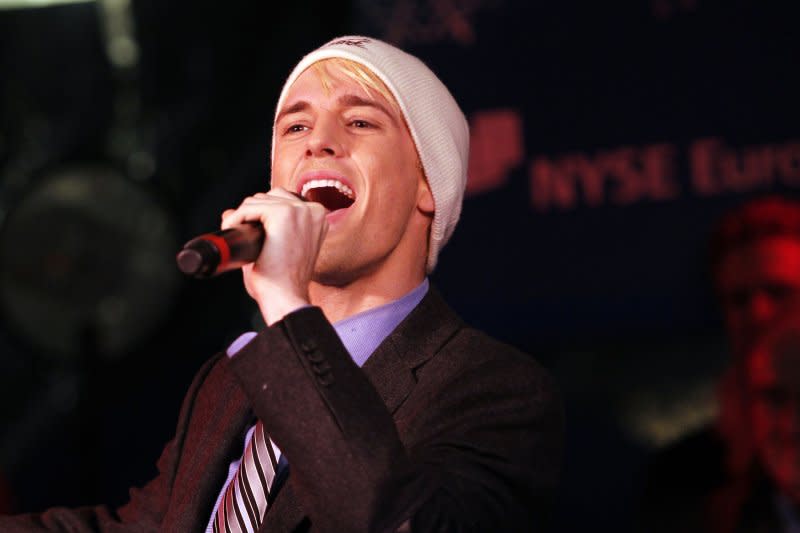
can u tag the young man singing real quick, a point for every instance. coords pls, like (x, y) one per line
(366, 404)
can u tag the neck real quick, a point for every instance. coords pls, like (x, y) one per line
(340, 302)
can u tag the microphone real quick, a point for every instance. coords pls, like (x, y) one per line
(214, 253)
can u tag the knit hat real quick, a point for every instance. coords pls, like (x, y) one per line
(437, 125)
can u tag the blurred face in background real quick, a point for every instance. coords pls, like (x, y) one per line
(757, 283)
(773, 390)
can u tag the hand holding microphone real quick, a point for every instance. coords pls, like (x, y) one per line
(275, 238)
(213, 253)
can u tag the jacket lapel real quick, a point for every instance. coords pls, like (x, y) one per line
(416, 339)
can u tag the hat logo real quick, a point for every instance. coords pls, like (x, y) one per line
(351, 42)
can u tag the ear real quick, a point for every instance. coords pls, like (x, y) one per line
(425, 202)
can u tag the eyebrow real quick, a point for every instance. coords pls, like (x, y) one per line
(296, 107)
(347, 100)
(353, 100)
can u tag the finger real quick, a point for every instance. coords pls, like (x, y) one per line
(318, 211)
(284, 193)
(261, 209)
(249, 211)
(323, 232)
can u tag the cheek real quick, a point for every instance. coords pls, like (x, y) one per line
(392, 181)
(281, 169)
(403, 158)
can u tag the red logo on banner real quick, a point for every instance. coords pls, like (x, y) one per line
(496, 148)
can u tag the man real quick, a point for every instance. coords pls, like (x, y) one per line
(755, 264)
(443, 429)
(766, 495)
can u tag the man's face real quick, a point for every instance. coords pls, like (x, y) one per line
(773, 383)
(345, 144)
(758, 282)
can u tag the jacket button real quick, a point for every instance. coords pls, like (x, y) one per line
(321, 368)
(308, 345)
(315, 356)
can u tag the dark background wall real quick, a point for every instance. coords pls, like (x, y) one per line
(606, 140)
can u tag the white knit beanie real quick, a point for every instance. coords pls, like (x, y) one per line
(437, 125)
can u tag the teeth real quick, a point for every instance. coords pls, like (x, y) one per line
(341, 187)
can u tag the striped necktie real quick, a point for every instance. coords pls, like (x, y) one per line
(242, 508)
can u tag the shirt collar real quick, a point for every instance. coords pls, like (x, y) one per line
(362, 333)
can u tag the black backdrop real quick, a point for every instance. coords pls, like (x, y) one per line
(607, 139)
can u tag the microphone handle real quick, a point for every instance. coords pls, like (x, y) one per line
(214, 253)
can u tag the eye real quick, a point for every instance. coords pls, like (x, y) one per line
(361, 124)
(781, 292)
(296, 128)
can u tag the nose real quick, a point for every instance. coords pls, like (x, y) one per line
(325, 139)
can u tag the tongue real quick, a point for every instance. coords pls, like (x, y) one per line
(330, 197)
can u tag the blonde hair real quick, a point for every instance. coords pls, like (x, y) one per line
(357, 72)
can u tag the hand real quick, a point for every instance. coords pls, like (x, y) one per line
(278, 280)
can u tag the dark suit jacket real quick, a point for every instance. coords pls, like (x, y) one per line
(443, 429)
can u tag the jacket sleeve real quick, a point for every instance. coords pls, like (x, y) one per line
(147, 505)
(485, 453)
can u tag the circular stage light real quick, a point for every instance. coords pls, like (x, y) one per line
(87, 263)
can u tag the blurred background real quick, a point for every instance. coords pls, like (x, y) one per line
(607, 140)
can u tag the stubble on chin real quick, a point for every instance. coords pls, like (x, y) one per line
(331, 269)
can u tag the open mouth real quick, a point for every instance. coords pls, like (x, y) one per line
(332, 194)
